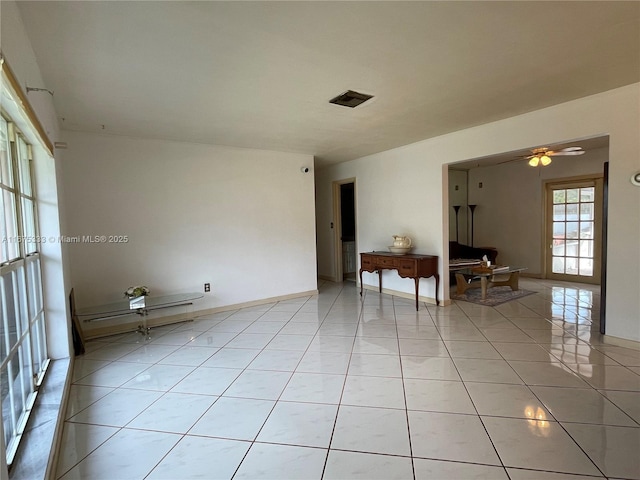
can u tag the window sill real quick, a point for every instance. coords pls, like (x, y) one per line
(38, 446)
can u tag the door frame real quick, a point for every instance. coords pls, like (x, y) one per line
(603, 267)
(548, 221)
(337, 224)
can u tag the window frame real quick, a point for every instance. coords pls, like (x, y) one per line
(21, 279)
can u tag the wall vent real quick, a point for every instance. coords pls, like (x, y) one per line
(350, 99)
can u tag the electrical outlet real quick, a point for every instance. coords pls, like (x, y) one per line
(207, 287)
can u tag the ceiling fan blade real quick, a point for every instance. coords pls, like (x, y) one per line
(561, 152)
(570, 149)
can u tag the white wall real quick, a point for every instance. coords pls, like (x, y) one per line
(510, 215)
(405, 190)
(240, 219)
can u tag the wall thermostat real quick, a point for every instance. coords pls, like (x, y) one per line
(635, 179)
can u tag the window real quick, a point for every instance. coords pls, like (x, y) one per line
(23, 353)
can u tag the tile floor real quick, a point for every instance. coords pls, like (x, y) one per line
(333, 387)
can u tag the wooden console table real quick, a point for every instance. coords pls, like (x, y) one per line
(408, 266)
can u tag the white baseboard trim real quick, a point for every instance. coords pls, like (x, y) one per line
(132, 324)
(254, 303)
(328, 278)
(621, 342)
(532, 275)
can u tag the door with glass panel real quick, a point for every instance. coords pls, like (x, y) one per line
(574, 216)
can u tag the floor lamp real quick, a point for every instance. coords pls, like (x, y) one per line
(472, 208)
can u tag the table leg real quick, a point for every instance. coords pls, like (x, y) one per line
(361, 285)
(461, 284)
(144, 329)
(437, 277)
(513, 280)
(483, 286)
(380, 280)
(417, 282)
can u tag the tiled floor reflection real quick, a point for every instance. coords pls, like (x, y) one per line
(336, 387)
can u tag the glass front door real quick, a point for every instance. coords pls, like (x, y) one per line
(574, 213)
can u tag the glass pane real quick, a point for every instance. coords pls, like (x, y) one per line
(559, 196)
(586, 211)
(571, 248)
(572, 229)
(571, 266)
(15, 388)
(25, 380)
(558, 265)
(558, 248)
(559, 212)
(23, 167)
(10, 326)
(6, 405)
(586, 267)
(11, 249)
(572, 211)
(558, 230)
(587, 194)
(6, 174)
(586, 229)
(586, 248)
(29, 226)
(573, 195)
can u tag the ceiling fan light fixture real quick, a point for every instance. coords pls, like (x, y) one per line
(545, 160)
(534, 161)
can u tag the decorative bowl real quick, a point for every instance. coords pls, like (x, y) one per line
(401, 250)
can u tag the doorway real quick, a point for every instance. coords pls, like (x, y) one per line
(344, 199)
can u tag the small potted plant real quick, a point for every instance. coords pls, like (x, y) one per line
(138, 291)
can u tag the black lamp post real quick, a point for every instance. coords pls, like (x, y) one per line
(472, 208)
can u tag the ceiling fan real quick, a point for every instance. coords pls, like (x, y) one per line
(542, 156)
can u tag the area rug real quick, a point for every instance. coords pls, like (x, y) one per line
(495, 295)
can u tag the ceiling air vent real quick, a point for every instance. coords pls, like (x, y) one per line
(350, 99)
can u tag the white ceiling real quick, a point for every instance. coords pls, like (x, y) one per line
(260, 74)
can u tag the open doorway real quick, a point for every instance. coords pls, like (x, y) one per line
(344, 200)
(512, 212)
